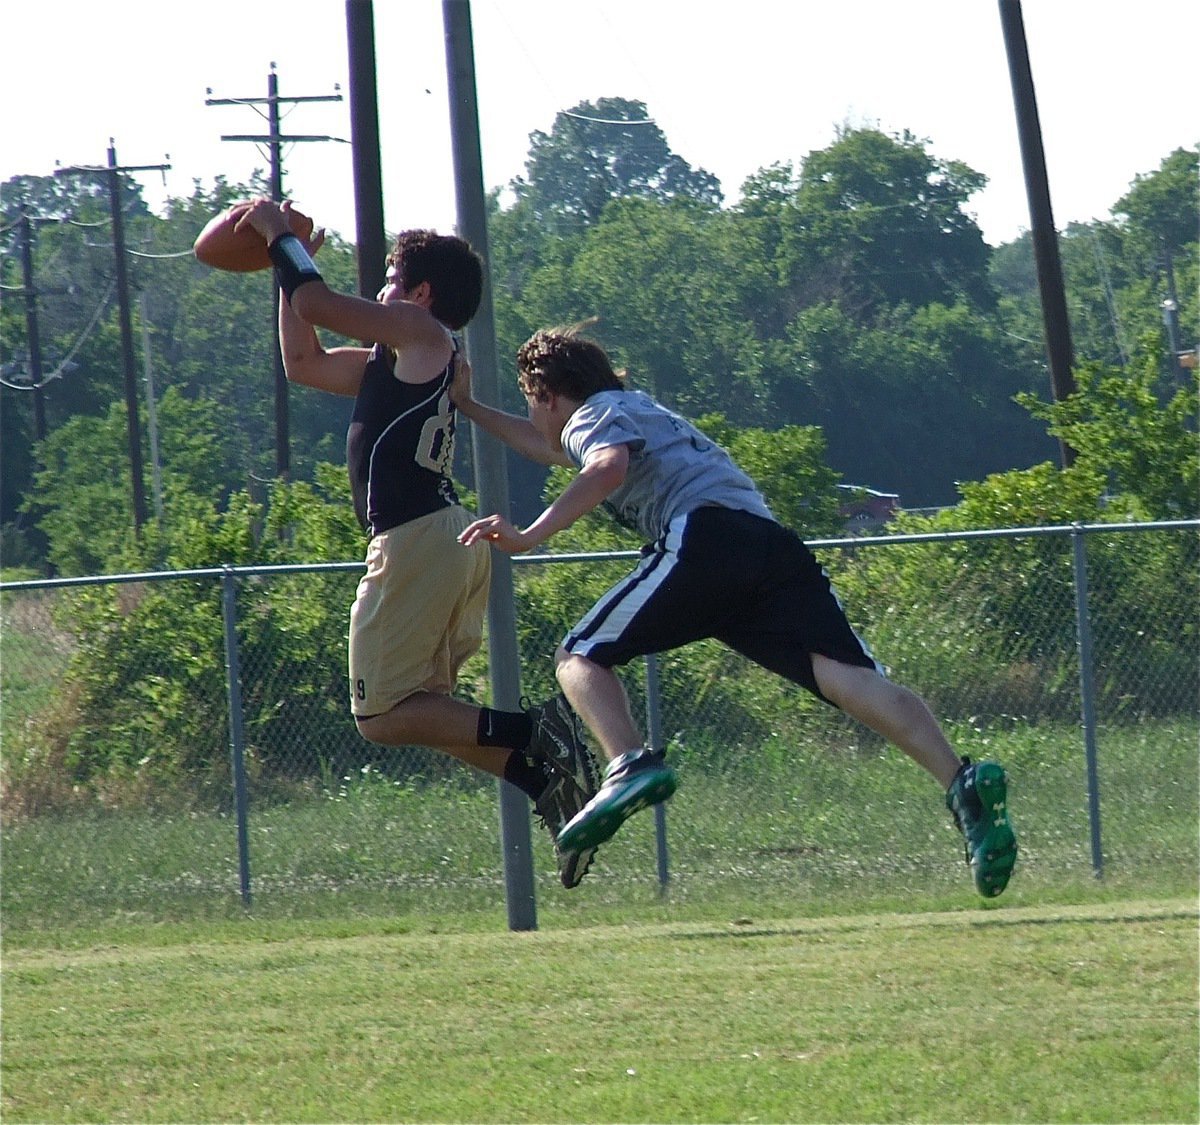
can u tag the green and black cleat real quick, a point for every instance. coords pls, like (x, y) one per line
(978, 800)
(570, 768)
(634, 781)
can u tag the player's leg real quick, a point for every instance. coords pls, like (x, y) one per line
(799, 630)
(976, 792)
(447, 724)
(635, 778)
(599, 699)
(540, 750)
(656, 607)
(417, 618)
(889, 709)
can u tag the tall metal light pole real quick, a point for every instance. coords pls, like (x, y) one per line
(274, 140)
(491, 474)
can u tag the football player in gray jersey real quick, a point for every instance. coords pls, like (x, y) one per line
(716, 564)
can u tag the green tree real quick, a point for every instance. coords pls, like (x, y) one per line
(913, 403)
(1135, 430)
(83, 498)
(1160, 207)
(601, 151)
(876, 220)
(82, 495)
(1117, 273)
(143, 698)
(670, 308)
(210, 332)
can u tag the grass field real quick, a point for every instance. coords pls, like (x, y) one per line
(818, 955)
(1083, 1013)
(802, 966)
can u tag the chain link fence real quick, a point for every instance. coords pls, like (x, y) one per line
(185, 736)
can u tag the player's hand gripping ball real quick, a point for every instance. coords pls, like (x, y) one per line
(244, 251)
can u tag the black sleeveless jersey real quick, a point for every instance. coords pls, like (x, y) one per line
(400, 445)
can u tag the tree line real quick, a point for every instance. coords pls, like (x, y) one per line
(852, 294)
(843, 321)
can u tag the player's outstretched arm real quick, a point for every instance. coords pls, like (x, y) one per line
(517, 432)
(600, 476)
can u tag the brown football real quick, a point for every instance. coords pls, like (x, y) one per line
(219, 246)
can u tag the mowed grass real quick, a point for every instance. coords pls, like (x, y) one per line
(818, 832)
(819, 954)
(1067, 1013)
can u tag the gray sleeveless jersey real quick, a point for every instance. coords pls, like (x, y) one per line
(673, 467)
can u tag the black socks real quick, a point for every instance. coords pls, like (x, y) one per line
(512, 729)
(527, 774)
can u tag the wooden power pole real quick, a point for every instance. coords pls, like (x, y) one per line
(113, 173)
(275, 140)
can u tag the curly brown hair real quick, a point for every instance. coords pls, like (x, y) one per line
(454, 272)
(561, 361)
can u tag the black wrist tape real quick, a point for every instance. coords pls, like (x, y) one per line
(293, 266)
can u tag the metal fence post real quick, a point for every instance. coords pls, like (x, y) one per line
(654, 737)
(237, 756)
(1087, 692)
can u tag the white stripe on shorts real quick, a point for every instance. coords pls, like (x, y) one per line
(609, 617)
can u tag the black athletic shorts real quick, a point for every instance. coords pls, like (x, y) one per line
(745, 580)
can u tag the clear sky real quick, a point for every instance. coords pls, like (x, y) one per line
(735, 87)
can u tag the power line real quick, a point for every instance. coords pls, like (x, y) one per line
(609, 120)
(173, 254)
(65, 365)
(1102, 267)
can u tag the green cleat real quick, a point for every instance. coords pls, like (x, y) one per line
(632, 782)
(977, 799)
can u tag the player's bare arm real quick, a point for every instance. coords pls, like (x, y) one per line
(602, 474)
(403, 325)
(306, 362)
(516, 432)
(400, 324)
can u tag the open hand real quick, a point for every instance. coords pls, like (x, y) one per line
(497, 531)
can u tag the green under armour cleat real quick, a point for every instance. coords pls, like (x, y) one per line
(633, 781)
(977, 798)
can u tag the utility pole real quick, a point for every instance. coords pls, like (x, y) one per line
(275, 140)
(113, 172)
(1056, 325)
(364, 138)
(151, 409)
(1170, 311)
(31, 322)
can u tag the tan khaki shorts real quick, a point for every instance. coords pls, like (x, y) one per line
(419, 611)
